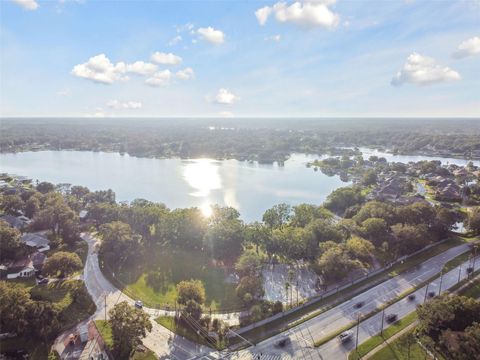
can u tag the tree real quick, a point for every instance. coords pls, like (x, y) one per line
(376, 230)
(11, 204)
(32, 205)
(10, 243)
(45, 187)
(360, 248)
(62, 264)
(277, 216)
(342, 198)
(474, 220)
(14, 307)
(257, 234)
(369, 177)
(410, 238)
(190, 290)
(447, 312)
(304, 214)
(129, 325)
(250, 288)
(248, 263)
(119, 244)
(334, 262)
(225, 239)
(43, 320)
(377, 209)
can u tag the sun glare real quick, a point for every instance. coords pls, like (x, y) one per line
(206, 210)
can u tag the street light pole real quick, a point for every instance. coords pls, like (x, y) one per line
(383, 317)
(459, 273)
(441, 279)
(426, 292)
(358, 326)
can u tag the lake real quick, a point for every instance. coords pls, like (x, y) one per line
(249, 187)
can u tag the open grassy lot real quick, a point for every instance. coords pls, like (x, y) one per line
(153, 280)
(402, 348)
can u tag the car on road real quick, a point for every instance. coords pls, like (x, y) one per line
(358, 305)
(345, 336)
(139, 304)
(42, 281)
(391, 318)
(282, 342)
(431, 294)
(411, 297)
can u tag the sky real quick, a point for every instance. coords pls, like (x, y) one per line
(312, 58)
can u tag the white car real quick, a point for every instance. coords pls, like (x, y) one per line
(138, 304)
(345, 336)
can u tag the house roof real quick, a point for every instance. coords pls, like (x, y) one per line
(35, 240)
(38, 258)
(13, 221)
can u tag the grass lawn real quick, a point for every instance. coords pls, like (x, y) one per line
(473, 290)
(402, 348)
(377, 340)
(169, 269)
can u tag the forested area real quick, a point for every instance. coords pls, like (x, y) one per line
(267, 140)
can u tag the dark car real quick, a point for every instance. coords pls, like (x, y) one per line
(284, 341)
(431, 294)
(391, 318)
(43, 281)
(411, 297)
(358, 305)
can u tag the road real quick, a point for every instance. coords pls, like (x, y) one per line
(303, 336)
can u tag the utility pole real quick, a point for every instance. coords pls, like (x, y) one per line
(383, 318)
(426, 292)
(441, 279)
(297, 292)
(459, 273)
(358, 326)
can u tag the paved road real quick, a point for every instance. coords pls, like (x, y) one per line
(303, 336)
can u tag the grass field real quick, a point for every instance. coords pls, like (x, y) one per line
(168, 269)
(403, 348)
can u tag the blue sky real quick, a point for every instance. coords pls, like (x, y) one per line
(239, 58)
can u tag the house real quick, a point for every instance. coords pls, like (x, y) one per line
(18, 222)
(25, 267)
(21, 268)
(37, 241)
(392, 188)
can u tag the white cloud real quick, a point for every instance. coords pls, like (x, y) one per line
(306, 14)
(141, 68)
(423, 70)
(160, 78)
(262, 14)
(226, 97)
(185, 74)
(468, 47)
(211, 35)
(128, 105)
(27, 4)
(100, 69)
(166, 59)
(175, 40)
(276, 38)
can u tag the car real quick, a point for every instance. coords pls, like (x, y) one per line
(431, 294)
(284, 341)
(469, 269)
(391, 318)
(345, 336)
(411, 297)
(139, 304)
(358, 305)
(42, 281)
